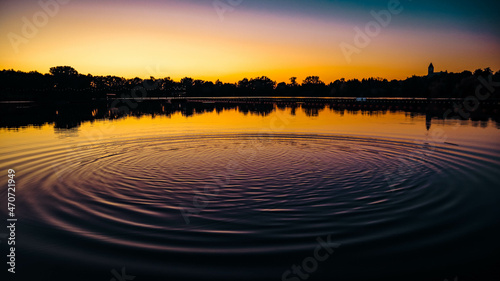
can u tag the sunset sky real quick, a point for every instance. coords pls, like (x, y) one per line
(233, 39)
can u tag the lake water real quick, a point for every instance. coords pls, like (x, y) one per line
(251, 192)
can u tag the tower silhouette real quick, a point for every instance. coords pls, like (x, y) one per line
(430, 69)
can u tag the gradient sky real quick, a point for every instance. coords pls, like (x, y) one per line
(276, 38)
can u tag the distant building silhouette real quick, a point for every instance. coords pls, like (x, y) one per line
(430, 71)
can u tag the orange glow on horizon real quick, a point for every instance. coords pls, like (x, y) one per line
(186, 40)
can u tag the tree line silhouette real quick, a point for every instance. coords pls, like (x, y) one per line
(65, 83)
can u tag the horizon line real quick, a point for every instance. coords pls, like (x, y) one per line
(252, 77)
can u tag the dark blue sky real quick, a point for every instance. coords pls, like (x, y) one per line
(480, 16)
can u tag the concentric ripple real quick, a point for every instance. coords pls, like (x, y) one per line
(227, 196)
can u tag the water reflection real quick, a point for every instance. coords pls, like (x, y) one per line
(73, 115)
(238, 190)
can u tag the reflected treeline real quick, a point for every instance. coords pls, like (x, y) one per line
(69, 116)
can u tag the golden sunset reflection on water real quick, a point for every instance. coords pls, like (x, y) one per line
(401, 125)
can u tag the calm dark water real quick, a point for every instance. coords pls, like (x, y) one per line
(236, 194)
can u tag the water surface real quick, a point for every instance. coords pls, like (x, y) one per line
(244, 193)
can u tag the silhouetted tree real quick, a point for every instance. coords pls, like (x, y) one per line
(262, 85)
(187, 81)
(312, 80)
(61, 71)
(313, 86)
